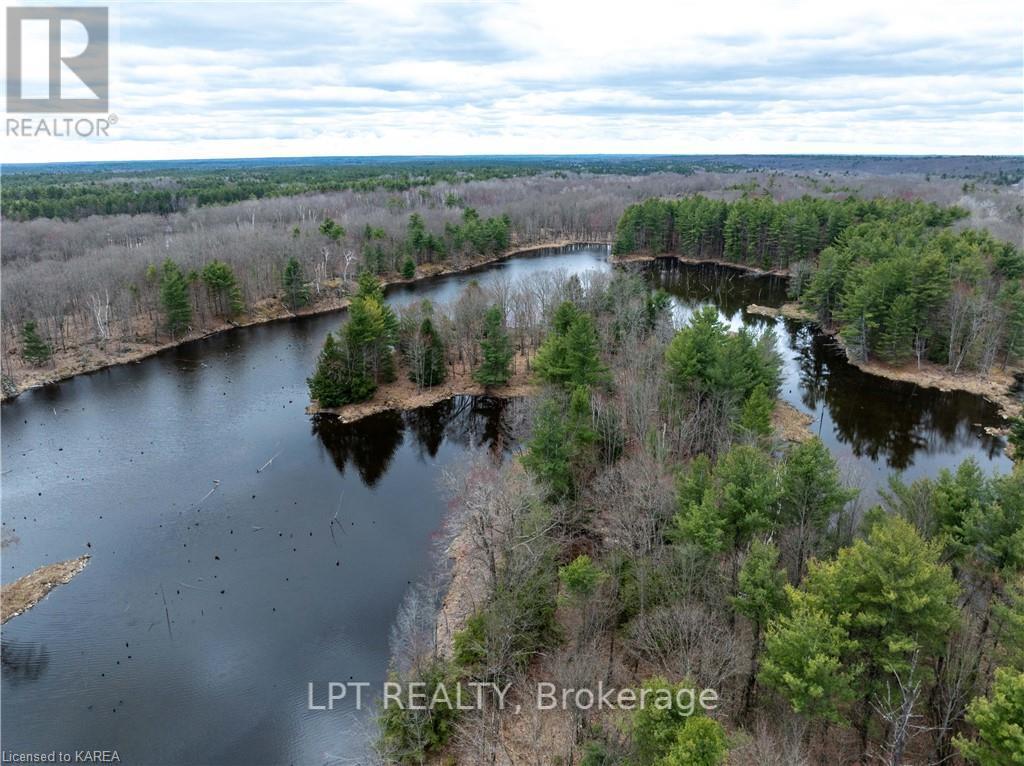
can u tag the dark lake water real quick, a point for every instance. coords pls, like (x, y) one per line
(260, 597)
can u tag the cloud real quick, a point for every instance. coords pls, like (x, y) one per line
(229, 79)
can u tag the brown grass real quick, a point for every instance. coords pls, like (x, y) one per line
(788, 310)
(23, 594)
(791, 424)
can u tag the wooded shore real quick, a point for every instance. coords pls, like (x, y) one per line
(86, 356)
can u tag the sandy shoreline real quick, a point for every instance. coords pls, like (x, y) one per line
(88, 357)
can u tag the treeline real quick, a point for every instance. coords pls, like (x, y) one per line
(73, 195)
(655, 528)
(757, 231)
(891, 275)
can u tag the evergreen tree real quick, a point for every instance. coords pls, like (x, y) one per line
(760, 597)
(1016, 438)
(496, 350)
(756, 415)
(174, 298)
(336, 380)
(882, 603)
(582, 353)
(296, 294)
(658, 723)
(220, 281)
(371, 331)
(1010, 617)
(700, 741)
(409, 268)
(704, 358)
(332, 230)
(549, 453)
(804, 659)
(694, 351)
(741, 501)
(33, 348)
(580, 577)
(569, 356)
(812, 495)
(999, 720)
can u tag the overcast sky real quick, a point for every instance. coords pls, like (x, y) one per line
(607, 76)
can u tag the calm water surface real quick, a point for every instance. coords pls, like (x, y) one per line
(193, 632)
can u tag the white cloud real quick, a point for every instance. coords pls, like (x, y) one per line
(265, 79)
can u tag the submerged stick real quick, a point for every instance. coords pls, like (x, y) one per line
(260, 469)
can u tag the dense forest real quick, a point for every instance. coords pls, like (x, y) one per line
(654, 529)
(892, 276)
(111, 190)
(85, 189)
(97, 288)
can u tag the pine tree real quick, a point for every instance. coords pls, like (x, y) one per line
(1016, 438)
(580, 577)
(174, 298)
(370, 334)
(339, 379)
(812, 495)
(804, 659)
(695, 350)
(332, 229)
(756, 415)
(220, 281)
(33, 348)
(741, 501)
(657, 724)
(570, 354)
(296, 294)
(409, 268)
(999, 720)
(549, 453)
(700, 741)
(582, 352)
(894, 600)
(326, 386)
(496, 350)
(760, 597)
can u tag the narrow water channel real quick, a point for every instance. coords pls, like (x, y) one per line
(191, 636)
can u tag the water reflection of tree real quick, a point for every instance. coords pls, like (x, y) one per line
(23, 661)
(370, 444)
(470, 421)
(730, 290)
(883, 419)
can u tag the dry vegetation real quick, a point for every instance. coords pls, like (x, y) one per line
(23, 594)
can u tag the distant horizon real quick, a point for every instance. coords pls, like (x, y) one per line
(516, 155)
